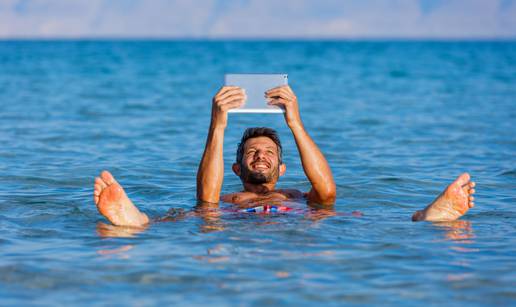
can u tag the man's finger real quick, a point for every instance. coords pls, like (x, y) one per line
(225, 89)
(278, 101)
(290, 90)
(232, 104)
(277, 88)
(231, 98)
(227, 98)
(283, 89)
(279, 93)
(231, 92)
(281, 103)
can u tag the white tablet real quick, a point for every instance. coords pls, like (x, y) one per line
(255, 86)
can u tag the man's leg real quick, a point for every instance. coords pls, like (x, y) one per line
(453, 202)
(113, 203)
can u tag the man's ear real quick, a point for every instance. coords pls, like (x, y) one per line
(282, 169)
(236, 169)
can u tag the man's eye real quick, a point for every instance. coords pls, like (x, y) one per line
(270, 152)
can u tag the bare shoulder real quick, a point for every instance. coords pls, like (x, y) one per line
(228, 198)
(292, 193)
(236, 197)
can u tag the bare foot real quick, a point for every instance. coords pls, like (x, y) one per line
(113, 203)
(453, 202)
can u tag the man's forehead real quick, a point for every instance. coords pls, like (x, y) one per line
(259, 142)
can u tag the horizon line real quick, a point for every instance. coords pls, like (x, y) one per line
(258, 38)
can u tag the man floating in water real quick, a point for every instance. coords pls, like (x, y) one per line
(259, 166)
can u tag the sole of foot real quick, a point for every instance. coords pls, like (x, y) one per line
(451, 204)
(112, 202)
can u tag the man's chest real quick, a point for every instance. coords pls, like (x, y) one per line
(247, 199)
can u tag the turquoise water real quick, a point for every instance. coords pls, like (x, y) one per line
(396, 120)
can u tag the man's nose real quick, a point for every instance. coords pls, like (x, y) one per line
(259, 154)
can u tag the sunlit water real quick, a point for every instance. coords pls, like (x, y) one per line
(396, 120)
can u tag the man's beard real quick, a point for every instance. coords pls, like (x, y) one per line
(249, 176)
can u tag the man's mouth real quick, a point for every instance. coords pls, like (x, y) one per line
(261, 165)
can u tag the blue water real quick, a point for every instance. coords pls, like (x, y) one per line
(397, 122)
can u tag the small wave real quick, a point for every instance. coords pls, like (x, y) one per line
(391, 179)
(398, 74)
(368, 122)
(508, 173)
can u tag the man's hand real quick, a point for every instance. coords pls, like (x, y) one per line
(228, 97)
(284, 97)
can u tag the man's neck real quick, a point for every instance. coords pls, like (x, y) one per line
(259, 188)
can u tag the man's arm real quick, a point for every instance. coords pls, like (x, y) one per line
(314, 163)
(211, 169)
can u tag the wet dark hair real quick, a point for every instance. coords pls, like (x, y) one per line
(255, 132)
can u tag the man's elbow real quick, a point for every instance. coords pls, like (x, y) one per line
(329, 198)
(207, 191)
(207, 199)
(327, 195)
(207, 196)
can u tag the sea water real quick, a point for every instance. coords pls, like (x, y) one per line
(397, 122)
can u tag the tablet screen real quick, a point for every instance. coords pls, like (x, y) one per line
(255, 86)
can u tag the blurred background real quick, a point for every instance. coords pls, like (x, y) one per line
(258, 18)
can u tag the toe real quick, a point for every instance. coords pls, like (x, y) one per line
(462, 179)
(96, 199)
(107, 177)
(471, 198)
(100, 183)
(471, 204)
(472, 184)
(471, 191)
(97, 189)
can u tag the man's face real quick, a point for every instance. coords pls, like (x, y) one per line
(260, 162)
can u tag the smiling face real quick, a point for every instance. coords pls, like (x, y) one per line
(260, 162)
